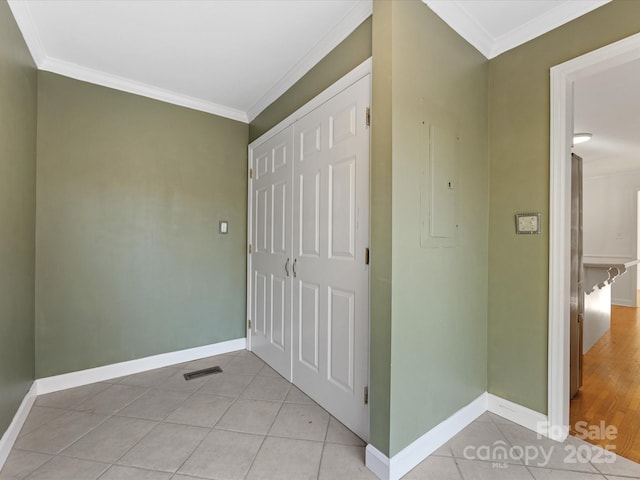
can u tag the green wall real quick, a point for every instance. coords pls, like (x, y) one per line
(519, 165)
(129, 260)
(381, 191)
(18, 110)
(351, 52)
(439, 296)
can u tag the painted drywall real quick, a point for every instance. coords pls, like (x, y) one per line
(381, 223)
(351, 52)
(519, 179)
(18, 111)
(129, 194)
(439, 295)
(609, 226)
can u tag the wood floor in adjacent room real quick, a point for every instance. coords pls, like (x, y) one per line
(611, 384)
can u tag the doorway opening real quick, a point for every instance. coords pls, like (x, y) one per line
(563, 80)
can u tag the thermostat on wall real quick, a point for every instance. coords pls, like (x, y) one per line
(527, 223)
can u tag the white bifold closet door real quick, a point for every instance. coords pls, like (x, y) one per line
(317, 333)
(271, 257)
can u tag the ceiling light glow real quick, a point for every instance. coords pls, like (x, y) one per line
(581, 138)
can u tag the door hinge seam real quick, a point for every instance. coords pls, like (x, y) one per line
(366, 256)
(366, 395)
(250, 248)
(251, 173)
(368, 117)
(249, 323)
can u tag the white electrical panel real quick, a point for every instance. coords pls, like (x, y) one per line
(440, 191)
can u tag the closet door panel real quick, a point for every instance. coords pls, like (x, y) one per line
(271, 257)
(331, 233)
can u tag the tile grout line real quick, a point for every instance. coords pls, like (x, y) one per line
(74, 406)
(163, 421)
(211, 429)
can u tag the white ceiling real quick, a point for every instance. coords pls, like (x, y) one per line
(235, 57)
(495, 26)
(228, 57)
(607, 105)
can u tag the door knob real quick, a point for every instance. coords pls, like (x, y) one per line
(294, 267)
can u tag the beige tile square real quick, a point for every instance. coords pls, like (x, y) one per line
(443, 451)
(338, 433)
(149, 378)
(547, 474)
(244, 364)
(620, 466)
(38, 416)
(298, 396)
(154, 404)
(274, 389)
(479, 434)
(67, 468)
(543, 452)
(344, 461)
(498, 419)
(117, 472)
(20, 463)
(267, 371)
(217, 361)
(223, 456)
(110, 440)
(249, 416)
(286, 459)
(59, 433)
(112, 399)
(71, 397)
(226, 384)
(485, 417)
(165, 448)
(201, 410)
(305, 422)
(178, 383)
(490, 471)
(441, 468)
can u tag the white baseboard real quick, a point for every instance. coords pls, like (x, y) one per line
(406, 459)
(623, 302)
(516, 413)
(377, 462)
(92, 375)
(402, 462)
(108, 372)
(11, 434)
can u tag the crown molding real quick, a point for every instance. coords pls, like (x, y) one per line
(27, 26)
(563, 13)
(458, 18)
(358, 14)
(464, 24)
(138, 88)
(20, 9)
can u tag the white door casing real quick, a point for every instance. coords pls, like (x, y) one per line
(331, 277)
(562, 78)
(312, 326)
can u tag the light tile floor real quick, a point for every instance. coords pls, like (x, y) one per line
(249, 423)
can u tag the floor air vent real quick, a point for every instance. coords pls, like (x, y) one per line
(202, 373)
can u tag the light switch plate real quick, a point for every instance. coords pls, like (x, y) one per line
(528, 223)
(223, 227)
